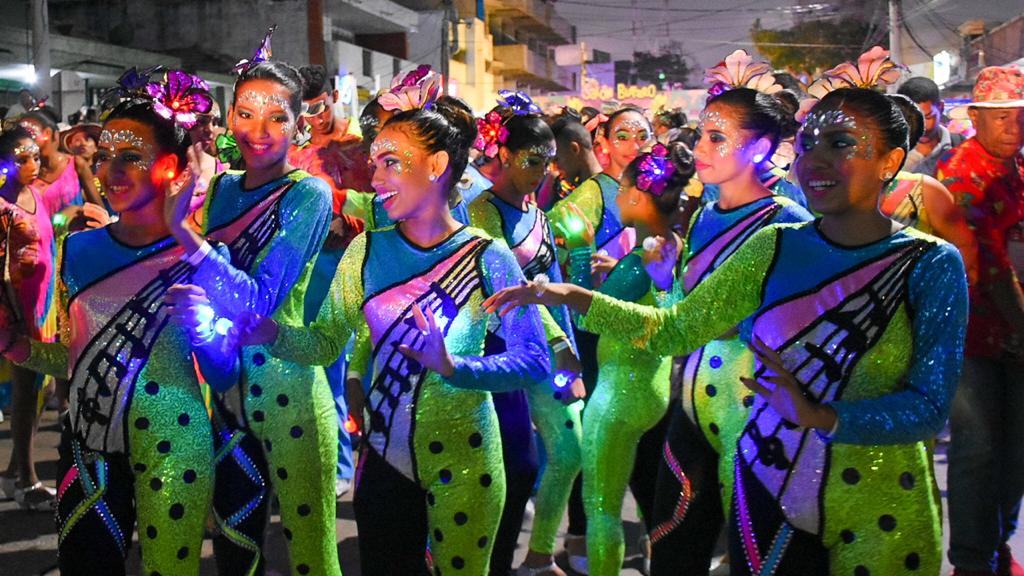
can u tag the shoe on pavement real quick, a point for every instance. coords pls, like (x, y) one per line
(8, 486)
(578, 564)
(37, 498)
(551, 569)
(341, 487)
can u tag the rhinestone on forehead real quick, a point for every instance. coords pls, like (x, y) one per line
(31, 128)
(109, 138)
(383, 145)
(262, 100)
(816, 122)
(634, 125)
(523, 156)
(716, 120)
(30, 148)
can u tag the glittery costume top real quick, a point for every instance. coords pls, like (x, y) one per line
(367, 207)
(529, 235)
(32, 283)
(65, 190)
(774, 179)
(278, 229)
(991, 192)
(874, 331)
(904, 201)
(596, 198)
(117, 335)
(713, 236)
(381, 276)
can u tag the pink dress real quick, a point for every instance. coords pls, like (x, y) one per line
(65, 190)
(29, 281)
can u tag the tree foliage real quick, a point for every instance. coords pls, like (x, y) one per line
(668, 65)
(845, 37)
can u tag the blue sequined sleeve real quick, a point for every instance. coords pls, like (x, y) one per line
(938, 307)
(305, 214)
(218, 358)
(525, 361)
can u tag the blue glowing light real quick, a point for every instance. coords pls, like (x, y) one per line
(222, 326)
(563, 378)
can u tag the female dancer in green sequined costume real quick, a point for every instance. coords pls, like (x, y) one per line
(633, 385)
(433, 467)
(506, 212)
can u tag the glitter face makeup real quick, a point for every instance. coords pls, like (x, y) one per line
(31, 149)
(630, 130)
(382, 145)
(32, 129)
(726, 140)
(525, 158)
(109, 139)
(263, 101)
(819, 121)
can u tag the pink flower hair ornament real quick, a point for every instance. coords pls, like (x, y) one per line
(739, 70)
(181, 97)
(412, 90)
(654, 171)
(491, 134)
(263, 53)
(873, 69)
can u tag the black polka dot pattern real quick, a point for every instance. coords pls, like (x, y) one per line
(296, 431)
(182, 552)
(287, 534)
(907, 481)
(282, 473)
(183, 419)
(711, 391)
(259, 359)
(256, 390)
(142, 423)
(189, 476)
(713, 428)
(438, 535)
(445, 476)
(258, 415)
(156, 484)
(436, 447)
(268, 445)
(887, 523)
(912, 561)
(486, 480)
(304, 510)
(177, 511)
(152, 388)
(282, 400)
(458, 563)
(139, 467)
(482, 542)
(569, 424)
(164, 446)
(151, 532)
(861, 571)
(461, 518)
(475, 440)
(302, 569)
(847, 536)
(430, 498)
(851, 476)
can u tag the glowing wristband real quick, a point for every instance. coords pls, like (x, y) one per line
(559, 345)
(199, 255)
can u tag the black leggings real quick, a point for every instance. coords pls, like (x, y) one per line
(392, 538)
(519, 451)
(687, 504)
(98, 542)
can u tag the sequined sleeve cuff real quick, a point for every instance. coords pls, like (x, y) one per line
(47, 358)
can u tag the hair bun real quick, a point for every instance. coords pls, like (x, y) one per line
(459, 115)
(682, 158)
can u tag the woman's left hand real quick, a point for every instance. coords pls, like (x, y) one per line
(433, 355)
(783, 392)
(178, 193)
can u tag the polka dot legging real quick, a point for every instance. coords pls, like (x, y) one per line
(166, 484)
(290, 411)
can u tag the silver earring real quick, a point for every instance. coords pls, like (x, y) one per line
(887, 176)
(432, 178)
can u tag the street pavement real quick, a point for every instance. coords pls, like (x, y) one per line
(28, 542)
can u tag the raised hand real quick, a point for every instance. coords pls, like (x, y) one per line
(783, 392)
(433, 355)
(178, 192)
(660, 257)
(189, 307)
(572, 225)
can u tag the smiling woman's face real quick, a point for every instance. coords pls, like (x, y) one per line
(125, 157)
(263, 122)
(402, 170)
(842, 160)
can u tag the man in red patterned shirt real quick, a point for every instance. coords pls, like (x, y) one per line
(986, 455)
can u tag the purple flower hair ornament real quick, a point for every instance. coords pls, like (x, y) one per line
(654, 170)
(181, 97)
(415, 89)
(519, 103)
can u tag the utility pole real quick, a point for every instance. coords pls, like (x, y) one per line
(41, 47)
(895, 41)
(445, 43)
(315, 34)
(583, 65)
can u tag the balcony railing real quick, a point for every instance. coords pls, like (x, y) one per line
(517, 62)
(538, 15)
